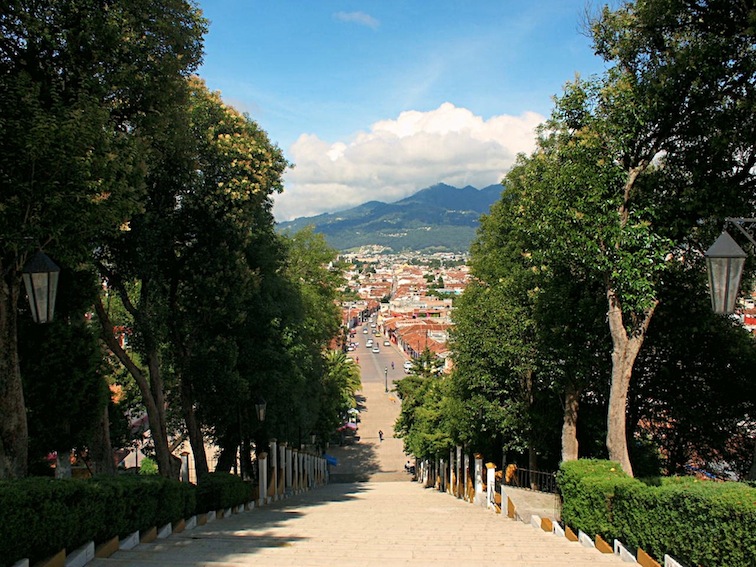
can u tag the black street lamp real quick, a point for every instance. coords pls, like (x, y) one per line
(385, 378)
(260, 406)
(724, 263)
(41, 281)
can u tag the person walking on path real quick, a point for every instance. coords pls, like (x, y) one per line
(380, 435)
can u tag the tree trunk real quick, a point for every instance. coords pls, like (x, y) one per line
(14, 433)
(152, 395)
(196, 439)
(100, 450)
(624, 353)
(752, 470)
(569, 423)
(168, 465)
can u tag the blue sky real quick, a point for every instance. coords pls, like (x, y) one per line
(374, 100)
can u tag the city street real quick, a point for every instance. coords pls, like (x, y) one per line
(369, 458)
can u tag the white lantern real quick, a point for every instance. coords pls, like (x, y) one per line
(724, 263)
(41, 281)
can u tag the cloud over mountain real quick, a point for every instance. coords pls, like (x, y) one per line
(396, 157)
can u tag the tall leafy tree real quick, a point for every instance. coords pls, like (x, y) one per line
(199, 253)
(523, 335)
(422, 422)
(635, 161)
(693, 396)
(76, 79)
(339, 385)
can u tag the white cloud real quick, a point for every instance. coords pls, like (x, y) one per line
(396, 158)
(358, 18)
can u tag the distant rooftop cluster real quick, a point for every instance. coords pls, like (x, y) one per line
(411, 293)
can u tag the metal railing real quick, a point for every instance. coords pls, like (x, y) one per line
(534, 480)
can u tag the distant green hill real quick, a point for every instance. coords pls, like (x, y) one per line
(438, 218)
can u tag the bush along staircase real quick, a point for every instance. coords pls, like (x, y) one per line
(670, 521)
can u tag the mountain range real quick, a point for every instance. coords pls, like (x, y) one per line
(440, 218)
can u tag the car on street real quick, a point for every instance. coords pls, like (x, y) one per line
(407, 366)
(369, 343)
(386, 343)
(376, 349)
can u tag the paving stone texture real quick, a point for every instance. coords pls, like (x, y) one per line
(371, 514)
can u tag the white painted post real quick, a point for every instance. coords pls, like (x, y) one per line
(452, 479)
(262, 476)
(289, 470)
(295, 470)
(458, 467)
(283, 466)
(466, 476)
(184, 474)
(301, 471)
(479, 497)
(490, 486)
(274, 467)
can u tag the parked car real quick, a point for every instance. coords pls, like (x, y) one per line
(387, 343)
(407, 366)
(376, 349)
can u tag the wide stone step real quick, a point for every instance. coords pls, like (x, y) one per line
(366, 524)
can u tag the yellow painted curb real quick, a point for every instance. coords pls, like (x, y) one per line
(602, 545)
(179, 526)
(569, 534)
(510, 508)
(646, 560)
(148, 536)
(57, 560)
(106, 549)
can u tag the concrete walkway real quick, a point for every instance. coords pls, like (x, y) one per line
(371, 515)
(379, 524)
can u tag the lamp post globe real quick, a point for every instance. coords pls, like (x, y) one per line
(40, 276)
(724, 264)
(260, 407)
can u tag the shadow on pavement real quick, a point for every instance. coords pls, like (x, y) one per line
(356, 463)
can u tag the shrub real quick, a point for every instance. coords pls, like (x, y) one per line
(697, 522)
(148, 467)
(44, 515)
(218, 491)
(587, 487)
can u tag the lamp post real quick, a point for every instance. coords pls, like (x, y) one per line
(41, 281)
(385, 378)
(260, 407)
(724, 264)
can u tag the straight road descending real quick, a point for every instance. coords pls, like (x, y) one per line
(371, 459)
(382, 521)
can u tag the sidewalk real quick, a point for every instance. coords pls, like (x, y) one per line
(371, 515)
(370, 524)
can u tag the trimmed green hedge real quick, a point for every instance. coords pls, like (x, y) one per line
(44, 515)
(219, 491)
(696, 522)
